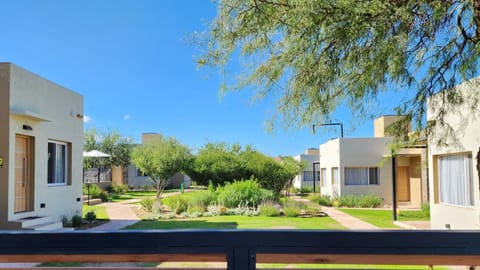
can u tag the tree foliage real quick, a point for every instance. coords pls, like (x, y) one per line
(315, 55)
(221, 163)
(113, 143)
(161, 159)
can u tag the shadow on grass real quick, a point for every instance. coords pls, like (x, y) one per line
(181, 224)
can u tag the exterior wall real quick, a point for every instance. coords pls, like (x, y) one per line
(382, 123)
(466, 125)
(150, 137)
(310, 156)
(4, 139)
(357, 152)
(54, 113)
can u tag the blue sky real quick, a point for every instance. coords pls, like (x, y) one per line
(132, 62)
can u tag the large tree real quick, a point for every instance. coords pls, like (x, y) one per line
(314, 55)
(161, 159)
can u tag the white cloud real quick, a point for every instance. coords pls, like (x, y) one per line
(127, 117)
(86, 119)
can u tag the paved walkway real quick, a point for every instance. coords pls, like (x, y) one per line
(121, 215)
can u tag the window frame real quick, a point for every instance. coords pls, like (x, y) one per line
(66, 161)
(376, 171)
(469, 183)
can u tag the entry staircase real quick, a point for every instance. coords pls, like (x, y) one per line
(39, 223)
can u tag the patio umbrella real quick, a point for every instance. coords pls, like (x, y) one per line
(95, 153)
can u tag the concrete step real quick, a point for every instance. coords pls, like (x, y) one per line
(53, 225)
(33, 221)
(92, 201)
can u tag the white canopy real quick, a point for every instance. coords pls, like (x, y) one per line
(95, 153)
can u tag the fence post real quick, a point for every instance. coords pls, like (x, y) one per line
(241, 259)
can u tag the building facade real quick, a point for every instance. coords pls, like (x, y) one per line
(41, 139)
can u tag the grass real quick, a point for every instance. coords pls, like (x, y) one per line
(239, 222)
(100, 211)
(140, 194)
(383, 218)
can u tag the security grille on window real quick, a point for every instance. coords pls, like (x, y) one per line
(455, 179)
(361, 176)
(57, 163)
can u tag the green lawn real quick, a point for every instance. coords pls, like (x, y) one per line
(240, 222)
(140, 194)
(383, 218)
(100, 211)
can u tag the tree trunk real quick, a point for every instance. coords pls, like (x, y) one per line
(476, 14)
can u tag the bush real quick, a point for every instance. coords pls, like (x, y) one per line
(291, 211)
(268, 210)
(369, 201)
(306, 189)
(195, 209)
(246, 192)
(94, 190)
(76, 221)
(202, 199)
(324, 200)
(177, 203)
(103, 196)
(147, 204)
(117, 189)
(90, 216)
(348, 201)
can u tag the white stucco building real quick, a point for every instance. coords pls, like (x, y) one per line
(41, 138)
(307, 176)
(454, 169)
(361, 166)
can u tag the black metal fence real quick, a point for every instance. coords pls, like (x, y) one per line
(96, 175)
(243, 249)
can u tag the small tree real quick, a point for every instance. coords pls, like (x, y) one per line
(161, 159)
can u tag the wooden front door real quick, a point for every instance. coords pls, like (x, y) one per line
(403, 184)
(23, 173)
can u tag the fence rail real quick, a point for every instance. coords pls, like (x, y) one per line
(242, 249)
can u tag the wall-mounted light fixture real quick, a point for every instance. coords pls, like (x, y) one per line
(77, 115)
(27, 127)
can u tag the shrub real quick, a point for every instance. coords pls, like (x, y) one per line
(320, 199)
(90, 216)
(306, 189)
(195, 209)
(269, 210)
(147, 203)
(76, 221)
(246, 192)
(348, 201)
(94, 190)
(117, 189)
(177, 203)
(202, 199)
(291, 211)
(369, 201)
(103, 195)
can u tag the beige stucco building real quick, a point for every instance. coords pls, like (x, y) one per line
(361, 166)
(41, 137)
(454, 184)
(136, 179)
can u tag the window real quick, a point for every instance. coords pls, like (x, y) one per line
(307, 176)
(57, 163)
(335, 176)
(323, 173)
(361, 176)
(455, 179)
